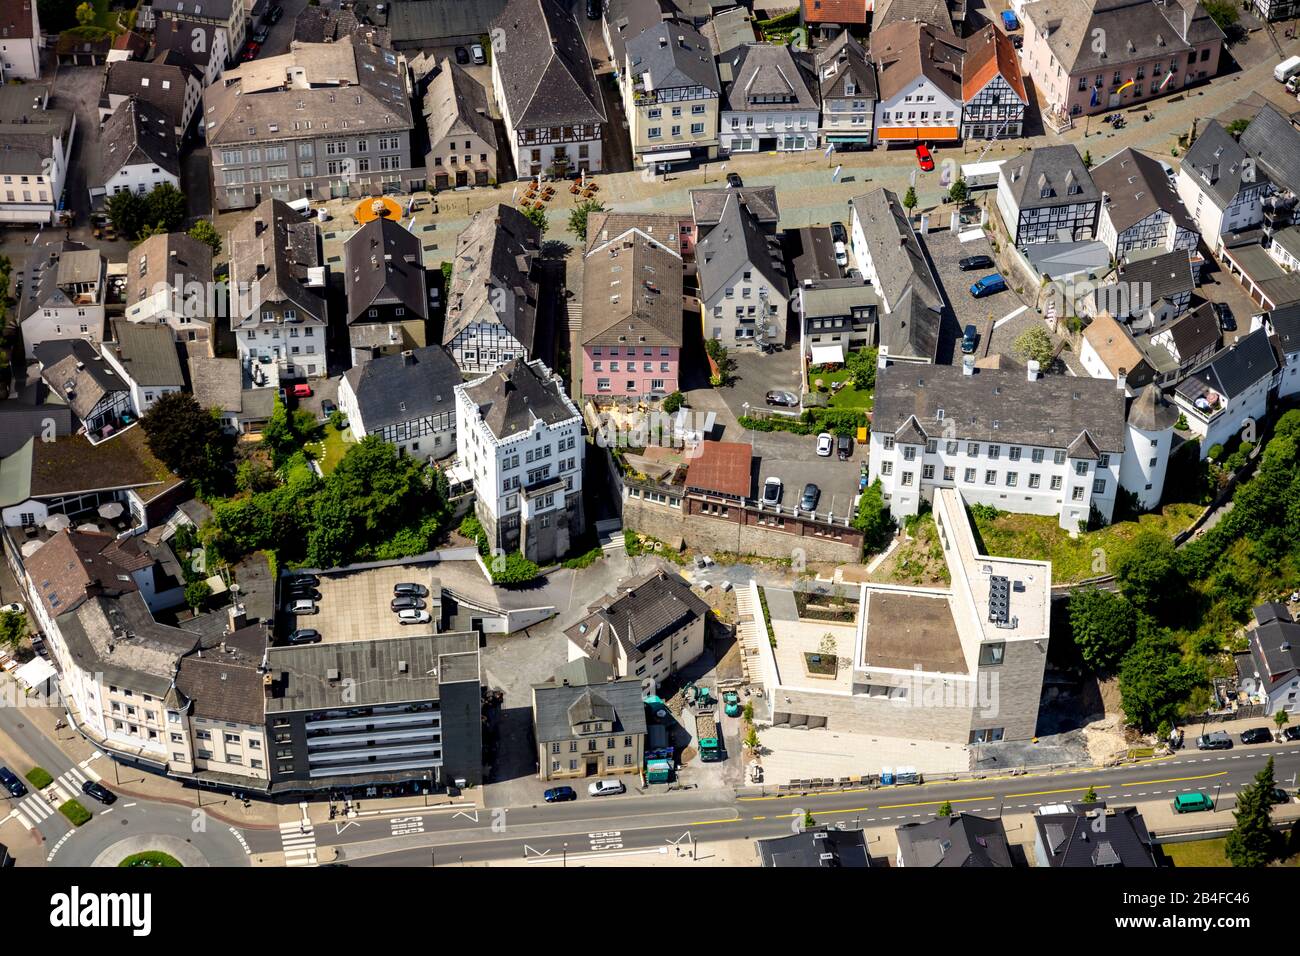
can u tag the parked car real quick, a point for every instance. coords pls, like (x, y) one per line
(971, 263)
(413, 616)
(274, 14)
(1018, 41)
(1278, 795)
(968, 339)
(477, 55)
(1192, 802)
(462, 55)
(303, 579)
(989, 285)
(407, 603)
(11, 783)
(841, 255)
(302, 390)
(1257, 735)
(734, 181)
(1226, 322)
(560, 794)
(100, 792)
(1293, 85)
(410, 590)
(303, 606)
(825, 444)
(14, 608)
(594, 9)
(261, 34)
(304, 593)
(1009, 21)
(1215, 741)
(772, 491)
(811, 495)
(251, 51)
(782, 398)
(601, 788)
(1291, 733)
(839, 233)
(923, 158)
(327, 408)
(844, 445)
(305, 635)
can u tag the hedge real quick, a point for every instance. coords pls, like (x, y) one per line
(838, 421)
(39, 778)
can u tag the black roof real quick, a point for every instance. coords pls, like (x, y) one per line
(817, 847)
(1232, 370)
(516, 394)
(1093, 835)
(1275, 645)
(643, 612)
(1286, 326)
(394, 389)
(956, 841)
(383, 265)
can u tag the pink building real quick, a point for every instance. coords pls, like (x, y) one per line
(1093, 56)
(631, 310)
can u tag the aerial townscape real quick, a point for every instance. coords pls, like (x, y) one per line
(650, 433)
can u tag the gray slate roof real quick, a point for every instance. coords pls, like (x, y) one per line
(1147, 30)
(1214, 162)
(172, 258)
(619, 700)
(1151, 411)
(674, 55)
(962, 840)
(1275, 144)
(275, 260)
(736, 240)
(510, 399)
(393, 389)
(147, 353)
(767, 70)
(641, 614)
(1000, 406)
(842, 60)
(455, 104)
(1286, 326)
(384, 265)
(414, 23)
(632, 292)
(818, 847)
(1056, 169)
(178, 37)
(1196, 330)
(76, 371)
(627, 19)
(1070, 839)
(1275, 645)
(492, 278)
(138, 134)
(29, 127)
(707, 204)
(1232, 370)
(546, 76)
(161, 82)
(933, 12)
(1136, 186)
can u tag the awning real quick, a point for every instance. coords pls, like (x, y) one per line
(35, 673)
(676, 156)
(916, 132)
(842, 138)
(828, 355)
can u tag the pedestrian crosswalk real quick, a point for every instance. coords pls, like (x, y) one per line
(37, 807)
(298, 838)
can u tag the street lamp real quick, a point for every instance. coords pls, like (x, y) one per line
(564, 855)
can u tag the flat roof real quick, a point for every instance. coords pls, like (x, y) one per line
(354, 605)
(908, 629)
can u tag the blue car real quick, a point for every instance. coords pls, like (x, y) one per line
(1009, 20)
(989, 285)
(560, 794)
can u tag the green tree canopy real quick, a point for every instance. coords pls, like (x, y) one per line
(537, 216)
(206, 233)
(1104, 625)
(873, 518)
(579, 214)
(190, 441)
(1148, 572)
(1035, 344)
(1253, 841)
(1153, 678)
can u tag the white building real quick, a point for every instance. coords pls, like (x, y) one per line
(769, 100)
(139, 151)
(1225, 397)
(1140, 208)
(744, 290)
(1020, 442)
(145, 356)
(1270, 670)
(1221, 186)
(1048, 195)
(519, 437)
(407, 399)
(67, 301)
(20, 40)
(169, 279)
(1283, 326)
(919, 71)
(35, 153)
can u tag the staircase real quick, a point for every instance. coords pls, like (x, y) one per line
(749, 630)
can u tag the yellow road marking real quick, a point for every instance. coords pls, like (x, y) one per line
(1147, 783)
(709, 823)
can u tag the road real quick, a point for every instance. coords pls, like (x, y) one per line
(595, 826)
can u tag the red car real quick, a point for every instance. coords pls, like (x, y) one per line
(923, 158)
(302, 390)
(251, 51)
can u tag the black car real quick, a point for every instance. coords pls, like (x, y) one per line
(261, 35)
(1257, 735)
(1278, 796)
(811, 495)
(844, 446)
(968, 339)
(560, 794)
(407, 589)
(275, 14)
(594, 9)
(303, 580)
(970, 263)
(305, 635)
(838, 232)
(306, 593)
(99, 792)
(462, 55)
(734, 180)
(11, 783)
(1291, 733)
(407, 604)
(327, 408)
(1226, 322)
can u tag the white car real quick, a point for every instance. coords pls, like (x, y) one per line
(412, 616)
(476, 54)
(841, 255)
(772, 491)
(14, 608)
(303, 606)
(603, 788)
(825, 444)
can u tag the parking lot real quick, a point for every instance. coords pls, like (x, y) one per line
(946, 250)
(355, 606)
(793, 459)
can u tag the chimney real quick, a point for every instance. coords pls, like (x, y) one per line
(238, 617)
(408, 357)
(268, 686)
(259, 226)
(663, 42)
(1031, 370)
(1121, 379)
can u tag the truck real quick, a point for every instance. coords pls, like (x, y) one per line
(731, 703)
(704, 708)
(1286, 69)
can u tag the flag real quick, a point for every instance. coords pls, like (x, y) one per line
(835, 176)
(1096, 100)
(830, 148)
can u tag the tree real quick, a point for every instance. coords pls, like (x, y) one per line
(862, 365)
(1223, 13)
(958, 192)
(513, 568)
(827, 648)
(909, 199)
(188, 440)
(752, 742)
(206, 233)
(13, 629)
(85, 14)
(537, 216)
(1087, 159)
(809, 821)
(1147, 572)
(1154, 679)
(1034, 344)
(578, 216)
(1281, 718)
(1104, 625)
(197, 594)
(673, 403)
(1091, 795)
(57, 15)
(165, 207)
(1237, 127)
(873, 518)
(945, 810)
(127, 211)
(1253, 841)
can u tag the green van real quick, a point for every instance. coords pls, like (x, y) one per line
(1192, 802)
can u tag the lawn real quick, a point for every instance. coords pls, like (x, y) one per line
(848, 396)
(1207, 853)
(1039, 538)
(75, 812)
(330, 449)
(39, 778)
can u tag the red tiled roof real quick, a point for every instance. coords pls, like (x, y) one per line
(16, 19)
(989, 53)
(834, 11)
(722, 467)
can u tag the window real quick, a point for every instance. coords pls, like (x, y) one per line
(907, 478)
(1014, 454)
(969, 477)
(1058, 457)
(949, 474)
(1056, 482)
(990, 477)
(994, 452)
(1011, 479)
(989, 736)
(1077, 494)
(1099, 486)
(1034, 480)
(1036, 456)
(973, 449)
(991, 654)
